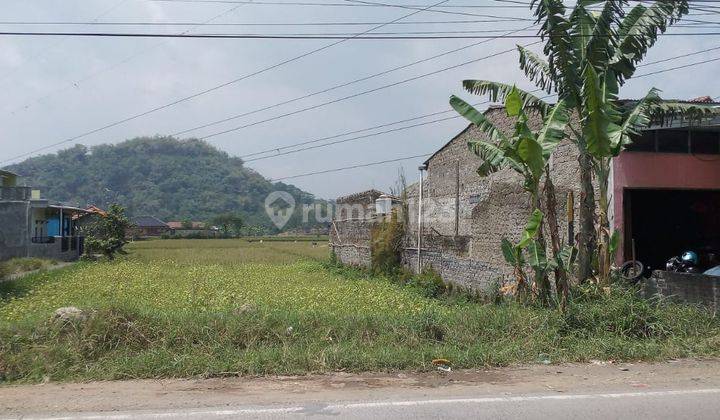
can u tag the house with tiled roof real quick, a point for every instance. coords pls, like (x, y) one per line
(147, 226)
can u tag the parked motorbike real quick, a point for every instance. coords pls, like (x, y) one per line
(685, 263)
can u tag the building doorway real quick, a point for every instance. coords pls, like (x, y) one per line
(664, 223)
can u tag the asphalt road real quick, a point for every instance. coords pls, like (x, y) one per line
(679, 390)
(668, 404)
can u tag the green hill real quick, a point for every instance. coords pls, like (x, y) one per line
(160, 176)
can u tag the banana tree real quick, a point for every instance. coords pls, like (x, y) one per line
(588, 55)
(527, 152)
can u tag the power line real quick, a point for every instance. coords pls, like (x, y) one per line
(358, 4)
(215, 88)
(347, 133)
(351, 167)
(678, 56)
(696, 24)
(52, 46)
(355, 95)
(367, 136)
(434, 121)
(117, 64)
(677, 68)
(297, 36)
(332, 88)
(362, 93)
(128, 23)
(434, 10)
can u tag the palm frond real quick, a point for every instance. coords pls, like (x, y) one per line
(493, 158)
(639, 31)
(559, 46)
(601, 45)
(595, 120)
(553, 129)
(634, 120)
(478, 118)
(582, 23)
(497, 92)
(536, 69)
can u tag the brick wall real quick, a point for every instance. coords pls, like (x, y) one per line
(350, 241)
(684, 287)
(350, 230)
(488, 208)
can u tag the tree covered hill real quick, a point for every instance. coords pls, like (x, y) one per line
(160, 176)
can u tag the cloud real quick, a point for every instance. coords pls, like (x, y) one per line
(121, 77)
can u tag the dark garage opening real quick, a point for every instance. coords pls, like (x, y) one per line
(665, 223)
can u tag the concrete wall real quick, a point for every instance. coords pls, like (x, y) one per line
(685, 288)
(53, 251)
(14, 232)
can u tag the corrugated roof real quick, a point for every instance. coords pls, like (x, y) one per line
(704, 100)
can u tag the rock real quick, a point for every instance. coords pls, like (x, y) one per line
(69, 314)
(245, 308)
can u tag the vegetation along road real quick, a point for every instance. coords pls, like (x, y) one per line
(216, 308)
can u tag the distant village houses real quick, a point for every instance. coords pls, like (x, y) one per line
(194, 229)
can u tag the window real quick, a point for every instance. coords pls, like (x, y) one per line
(705, 142)
(672, 141)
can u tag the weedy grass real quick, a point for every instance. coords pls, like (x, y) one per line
(177, 309)
(21, 265)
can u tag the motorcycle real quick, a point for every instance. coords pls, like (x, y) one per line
(685, 263)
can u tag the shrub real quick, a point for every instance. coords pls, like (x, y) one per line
(387, 244)
(429, 282)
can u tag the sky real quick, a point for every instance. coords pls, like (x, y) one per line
(57, 88)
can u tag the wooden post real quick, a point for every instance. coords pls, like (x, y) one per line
(420, 222)
(457, 198)
(571, 218)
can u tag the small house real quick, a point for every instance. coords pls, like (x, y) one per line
(31, 226)
(147, 227)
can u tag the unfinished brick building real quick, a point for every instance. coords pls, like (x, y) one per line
(670, 173)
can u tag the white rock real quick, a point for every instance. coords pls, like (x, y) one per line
(69, 313)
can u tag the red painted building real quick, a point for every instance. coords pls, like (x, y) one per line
(666, 194)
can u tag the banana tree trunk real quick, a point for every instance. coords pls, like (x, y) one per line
(561, 280)
(542, 282)
(603, 231)
(586, 236)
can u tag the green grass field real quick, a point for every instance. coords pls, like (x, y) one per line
(180, 308)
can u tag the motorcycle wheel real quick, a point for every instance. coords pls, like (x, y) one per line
(632, 270)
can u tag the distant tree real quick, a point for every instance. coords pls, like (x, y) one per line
(106, 234)
(149, 175)
(228, 223)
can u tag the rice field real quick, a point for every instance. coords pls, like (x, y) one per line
(184, 308)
